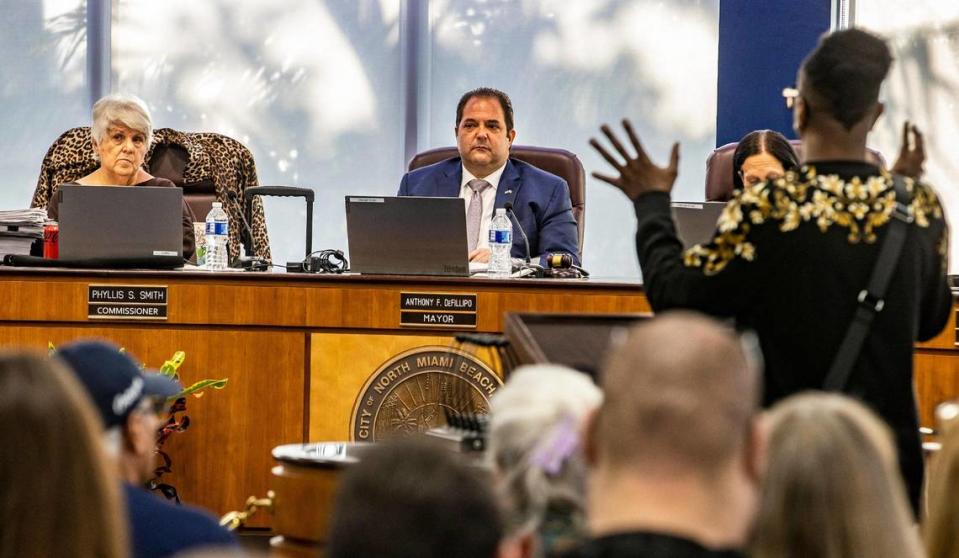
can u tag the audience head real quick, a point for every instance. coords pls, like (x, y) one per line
(484, 130)
(536, 422)
(839, 81)
(60, 496)
(762, 155)
(831, 486)
(411, 499)
(129, 401)
(942, 524)
(680, 396)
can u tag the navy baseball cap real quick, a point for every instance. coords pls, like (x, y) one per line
(114, 381)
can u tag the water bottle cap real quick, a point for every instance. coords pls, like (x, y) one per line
(217, 204)
(501, 211)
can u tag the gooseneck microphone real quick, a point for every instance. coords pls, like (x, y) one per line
(252, 262)
(508, 206)
(235, 199)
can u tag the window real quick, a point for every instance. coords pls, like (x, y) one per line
(316, 89)
(43, 87)
(571, 66)
(312, 88)
(922, 87)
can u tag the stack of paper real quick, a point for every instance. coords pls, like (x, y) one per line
(19, 228)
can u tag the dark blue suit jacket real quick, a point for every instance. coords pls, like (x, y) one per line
(159, 529)
(540, 202)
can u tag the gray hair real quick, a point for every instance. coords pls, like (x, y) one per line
(120, 108)
(537, 470)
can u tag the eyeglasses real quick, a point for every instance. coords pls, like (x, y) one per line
(790, 94)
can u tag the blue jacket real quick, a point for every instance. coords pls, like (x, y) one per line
(540, 202)
(159, 528)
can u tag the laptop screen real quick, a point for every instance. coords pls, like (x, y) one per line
(696, 221)
(121, 222)
(407, 235)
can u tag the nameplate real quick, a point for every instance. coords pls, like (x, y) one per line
(439, 310)
(127, 302)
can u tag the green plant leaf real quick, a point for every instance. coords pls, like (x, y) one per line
(196, 390)
(171, 366)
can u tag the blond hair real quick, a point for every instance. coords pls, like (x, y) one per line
(832, 488)
(124, 109)
(60, 494)
(942, 525)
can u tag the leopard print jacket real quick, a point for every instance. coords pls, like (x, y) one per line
(220, 159)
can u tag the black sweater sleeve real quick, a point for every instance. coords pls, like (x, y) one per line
(714, 277)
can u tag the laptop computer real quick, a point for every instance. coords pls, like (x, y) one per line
(120, 225)
(407, 235)
(696, 221)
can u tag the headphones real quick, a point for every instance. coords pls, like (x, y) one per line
(326, 261)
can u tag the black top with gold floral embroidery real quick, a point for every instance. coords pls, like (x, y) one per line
(788, 260)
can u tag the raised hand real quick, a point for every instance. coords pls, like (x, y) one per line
(638, 175)
(912, 153)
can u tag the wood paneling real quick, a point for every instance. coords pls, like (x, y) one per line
(225, 455)
(343, 302)
(937, 381)
(297, 349)
(340, 366)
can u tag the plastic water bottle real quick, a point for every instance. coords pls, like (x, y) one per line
(217, 235)
(500, 244)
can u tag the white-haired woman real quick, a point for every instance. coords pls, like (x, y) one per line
(535, 448)
(122, 132)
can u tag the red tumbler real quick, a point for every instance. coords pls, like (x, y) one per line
(51, 241)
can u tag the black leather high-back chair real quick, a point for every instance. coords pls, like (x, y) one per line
(564, 164)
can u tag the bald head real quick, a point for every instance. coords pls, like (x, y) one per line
(679, 393)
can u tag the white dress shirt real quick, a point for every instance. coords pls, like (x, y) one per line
(489, 199)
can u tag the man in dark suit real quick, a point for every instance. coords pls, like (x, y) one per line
(486, 177)
(791, 257)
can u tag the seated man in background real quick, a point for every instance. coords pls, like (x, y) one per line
(412, 499)
(130, 403)
(792, 258)
(675, 447)
(486, 177)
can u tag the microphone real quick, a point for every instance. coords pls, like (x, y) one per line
(508, 206)
(250, 262)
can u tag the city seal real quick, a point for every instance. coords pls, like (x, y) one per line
(413, 391)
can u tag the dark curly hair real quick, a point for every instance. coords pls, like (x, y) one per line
(503, 99)
(843, 74)
(763, 141)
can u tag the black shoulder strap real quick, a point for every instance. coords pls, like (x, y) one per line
(871, 298)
